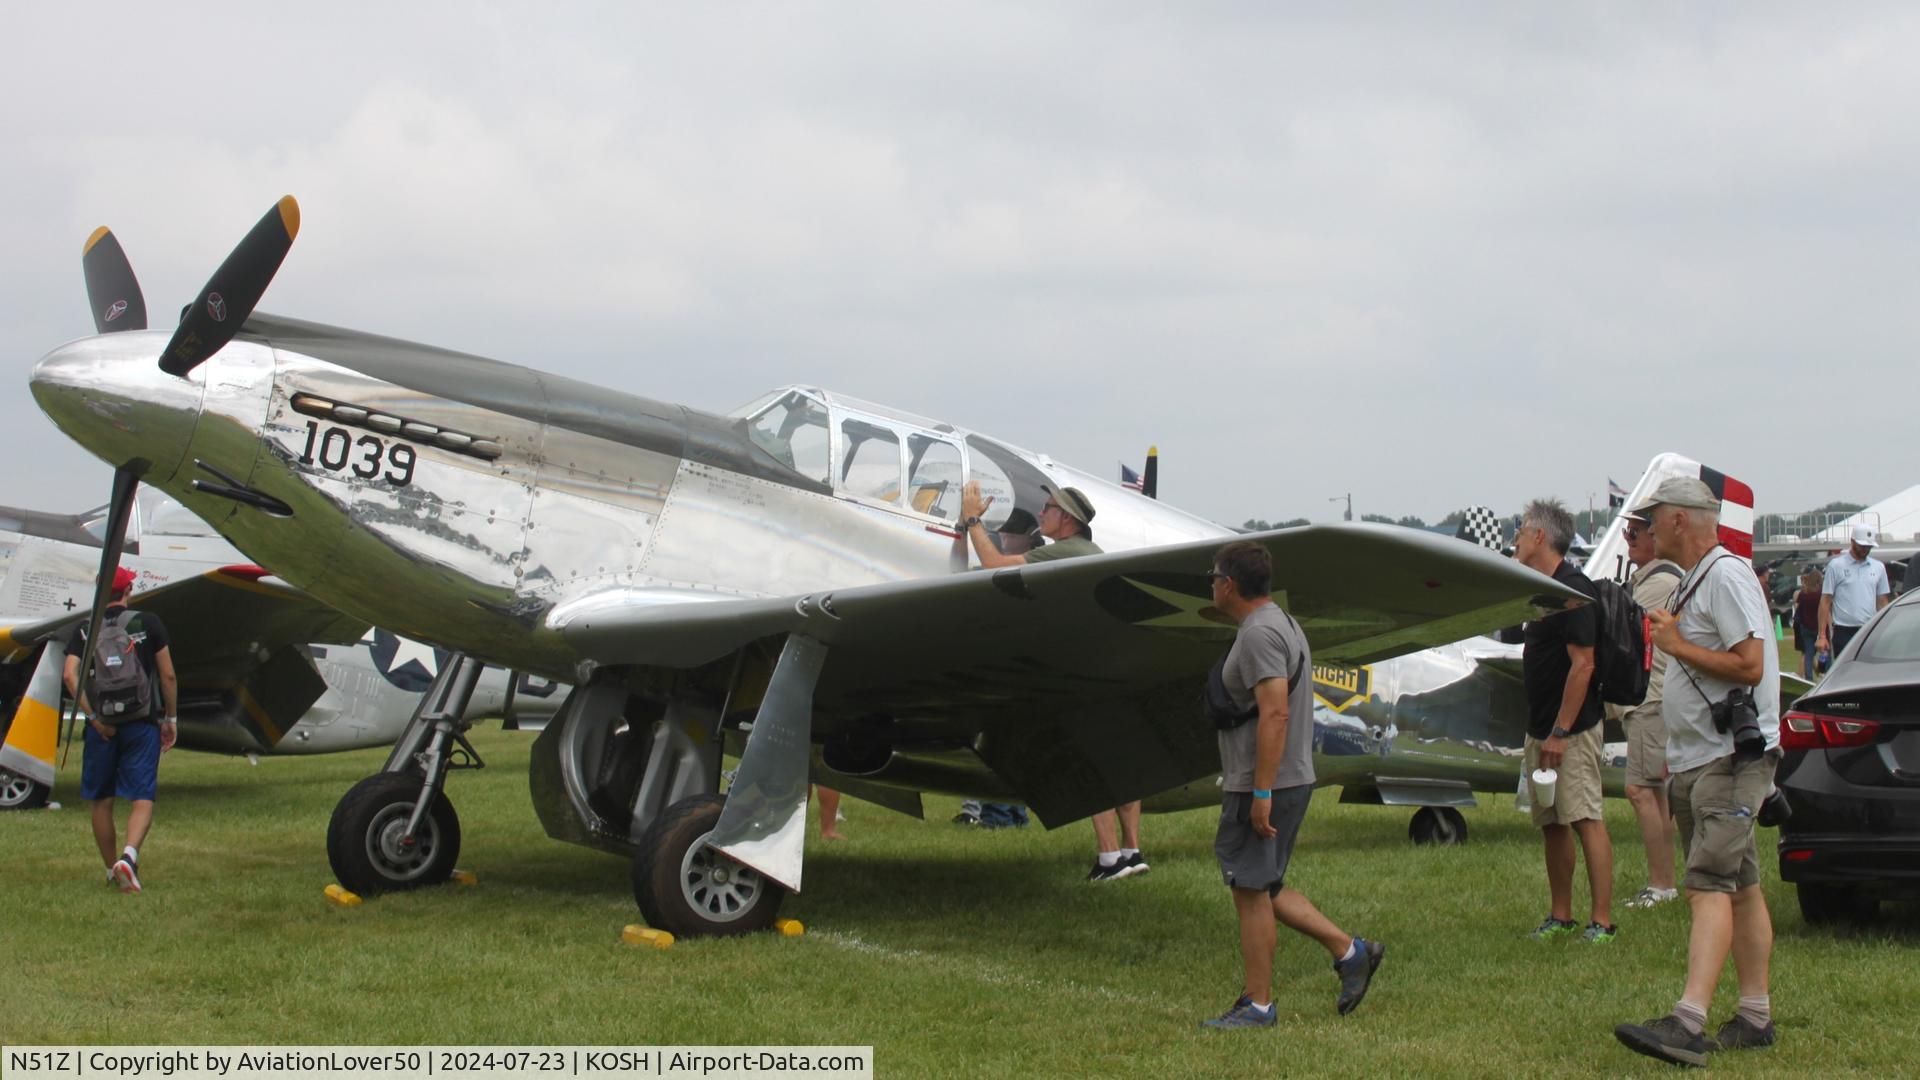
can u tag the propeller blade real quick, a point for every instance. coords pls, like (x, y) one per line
(112, 289)
(211, 320)
(126, 480)
(1150, 480)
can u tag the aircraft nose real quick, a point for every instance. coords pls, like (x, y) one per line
(109, 395)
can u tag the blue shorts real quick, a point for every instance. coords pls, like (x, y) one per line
(126, 766)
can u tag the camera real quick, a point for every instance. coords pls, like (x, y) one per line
(1737, 715)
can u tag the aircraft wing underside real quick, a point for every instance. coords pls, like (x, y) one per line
(221, 624)
(1077, 681)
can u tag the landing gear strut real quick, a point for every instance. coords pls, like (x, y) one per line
(1438, 825)
(396, 829)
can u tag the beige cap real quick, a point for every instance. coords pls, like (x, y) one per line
(1679, 491)
(1073, 502)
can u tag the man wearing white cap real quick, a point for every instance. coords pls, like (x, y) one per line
(1855, 588)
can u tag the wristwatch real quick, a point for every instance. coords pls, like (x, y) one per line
(970, 522)
(1559, 733)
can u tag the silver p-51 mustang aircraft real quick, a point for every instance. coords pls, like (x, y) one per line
(775, 580)
(263, 668)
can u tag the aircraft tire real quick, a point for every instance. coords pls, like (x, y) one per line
(690, 890)
(19, 793)
(1438, 825)
(363, 836)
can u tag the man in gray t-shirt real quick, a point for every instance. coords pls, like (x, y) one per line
(1268, 646)
(1266, 759)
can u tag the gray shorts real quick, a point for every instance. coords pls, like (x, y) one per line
(1248, 861)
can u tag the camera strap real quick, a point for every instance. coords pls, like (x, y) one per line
(1702, 580)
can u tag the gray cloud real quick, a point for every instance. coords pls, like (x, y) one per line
(1429, 256)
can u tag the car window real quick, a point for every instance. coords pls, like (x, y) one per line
(1895, 637)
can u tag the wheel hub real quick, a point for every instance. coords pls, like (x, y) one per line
(14, 789)
(717, 887)
(396, 855)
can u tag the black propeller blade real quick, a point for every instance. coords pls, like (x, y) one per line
(211, 321)
(126, 480)
(111, 287)
(1150, 479)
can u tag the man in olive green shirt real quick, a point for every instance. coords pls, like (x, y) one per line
(1067, 522)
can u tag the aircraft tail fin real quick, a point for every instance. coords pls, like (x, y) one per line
(35, 732)
(1609, 558)
(1479, 526)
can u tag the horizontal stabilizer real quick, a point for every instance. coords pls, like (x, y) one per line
(35, 730)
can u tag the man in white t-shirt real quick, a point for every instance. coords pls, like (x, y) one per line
(1855, 588)
(1719, 643)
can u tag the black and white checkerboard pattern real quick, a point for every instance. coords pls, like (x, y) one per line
(1480, 527)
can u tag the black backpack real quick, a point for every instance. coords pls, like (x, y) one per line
(1622, 656)
(1218, 704)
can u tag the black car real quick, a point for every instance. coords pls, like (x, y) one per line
(1851, 774)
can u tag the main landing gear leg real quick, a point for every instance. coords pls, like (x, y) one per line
(396, 829)
(712, 866)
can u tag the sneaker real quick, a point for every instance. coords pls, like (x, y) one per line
(1105, 873)
(1651, 897)
(1356, 974)
(1551, 928)
(1667, 1039)
(1135, 863)
(1596, 934)
(964, 818)
(1738, 1034)
(1243, 1015)
(125, 876)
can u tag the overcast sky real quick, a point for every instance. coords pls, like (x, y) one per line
(1432, 255)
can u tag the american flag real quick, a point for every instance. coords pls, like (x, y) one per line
(1129, 478)
(1616, 495)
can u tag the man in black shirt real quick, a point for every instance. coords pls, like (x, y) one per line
(1563, 728)
(122, 758)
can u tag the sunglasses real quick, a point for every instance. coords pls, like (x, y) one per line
(1050, 506)
(1216, 575)
(1631, 534)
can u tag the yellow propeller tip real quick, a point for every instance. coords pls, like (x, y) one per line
(290, 215)
(98, 234)
(1153, 451)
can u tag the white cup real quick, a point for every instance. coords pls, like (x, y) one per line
(1543, 784)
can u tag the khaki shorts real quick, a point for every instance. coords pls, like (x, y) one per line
(1576, 795)
(1646, 746)
(1714, 805)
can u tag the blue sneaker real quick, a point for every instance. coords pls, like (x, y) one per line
(1356, 974)
(1244, 1014)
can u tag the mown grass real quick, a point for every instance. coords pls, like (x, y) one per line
(953, 952)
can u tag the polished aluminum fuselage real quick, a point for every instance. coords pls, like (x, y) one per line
(484, 555)
(589, 496)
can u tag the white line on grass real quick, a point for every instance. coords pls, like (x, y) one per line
(980, 972)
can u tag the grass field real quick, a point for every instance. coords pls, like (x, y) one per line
(953, 952)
